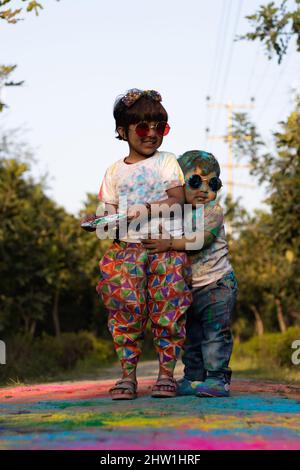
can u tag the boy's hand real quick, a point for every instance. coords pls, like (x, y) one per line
(158, 245)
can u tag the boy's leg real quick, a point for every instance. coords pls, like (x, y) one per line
(217, 303)
(192, 351)
(123, 291)
(168, 299)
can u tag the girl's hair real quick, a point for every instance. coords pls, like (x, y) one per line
(193, 158)
(144, 108)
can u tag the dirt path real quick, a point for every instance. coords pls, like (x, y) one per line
(80, 415)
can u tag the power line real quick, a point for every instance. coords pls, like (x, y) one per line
(223, 55)
(250, 80)
(223, 37)
(273, 89)
(229, 57)
(217, 48)
(220, 30)
(262, 78)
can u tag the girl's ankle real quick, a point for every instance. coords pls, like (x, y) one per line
(165, 376)
(129, 377)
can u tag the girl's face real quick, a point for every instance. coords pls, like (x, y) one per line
(201, 195)
(142, 146)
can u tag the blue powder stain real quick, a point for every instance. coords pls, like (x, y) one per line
(248, 403)
(256, 432)
(235, 404)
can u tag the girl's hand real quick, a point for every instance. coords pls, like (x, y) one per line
(88, 218)
(136, 211)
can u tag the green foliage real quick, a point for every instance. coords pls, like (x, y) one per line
(266, 248)
(5, 72)
(48, 264)
(12, 15)
(46, 356)
(270, 350)
(274, 26)
(246, 139)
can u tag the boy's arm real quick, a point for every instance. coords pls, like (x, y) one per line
(178, 244)
(213, 220)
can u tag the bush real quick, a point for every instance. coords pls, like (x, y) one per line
(44, 357)
(271, 349)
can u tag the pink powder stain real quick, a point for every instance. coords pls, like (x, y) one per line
(209, 443)
(99, 389)
(62, 391)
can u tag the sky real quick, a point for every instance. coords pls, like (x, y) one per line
(78, 55)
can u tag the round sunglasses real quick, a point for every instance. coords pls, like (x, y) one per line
(142, 129)
(195, 182)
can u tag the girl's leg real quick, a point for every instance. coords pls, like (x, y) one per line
(168, 299)
(123, 291)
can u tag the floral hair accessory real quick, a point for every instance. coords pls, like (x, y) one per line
(135, 94)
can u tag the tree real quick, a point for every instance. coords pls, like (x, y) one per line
(12, 16)
(270, 244)
(5, 73)
(92, 250)
(24, 293)
(274, 26)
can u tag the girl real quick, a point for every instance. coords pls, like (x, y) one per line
(136, 285)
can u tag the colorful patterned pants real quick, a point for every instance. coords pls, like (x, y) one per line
(135, 286)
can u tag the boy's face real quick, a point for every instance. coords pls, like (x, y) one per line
(144, 146)
(201, 195)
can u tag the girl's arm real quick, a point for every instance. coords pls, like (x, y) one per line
(109, 209)
(175, 196)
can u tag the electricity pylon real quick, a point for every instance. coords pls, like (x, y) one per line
(229, 138)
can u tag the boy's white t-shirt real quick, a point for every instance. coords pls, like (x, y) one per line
(143, 182)
(212, 263)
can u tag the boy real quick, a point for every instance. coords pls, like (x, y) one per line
(208, 345)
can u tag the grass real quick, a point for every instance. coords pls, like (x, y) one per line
(247, 368)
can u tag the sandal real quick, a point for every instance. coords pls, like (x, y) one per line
(124, 389)
(159, 389)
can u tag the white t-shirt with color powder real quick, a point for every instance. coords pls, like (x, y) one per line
(211, 263)
(143, 182)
